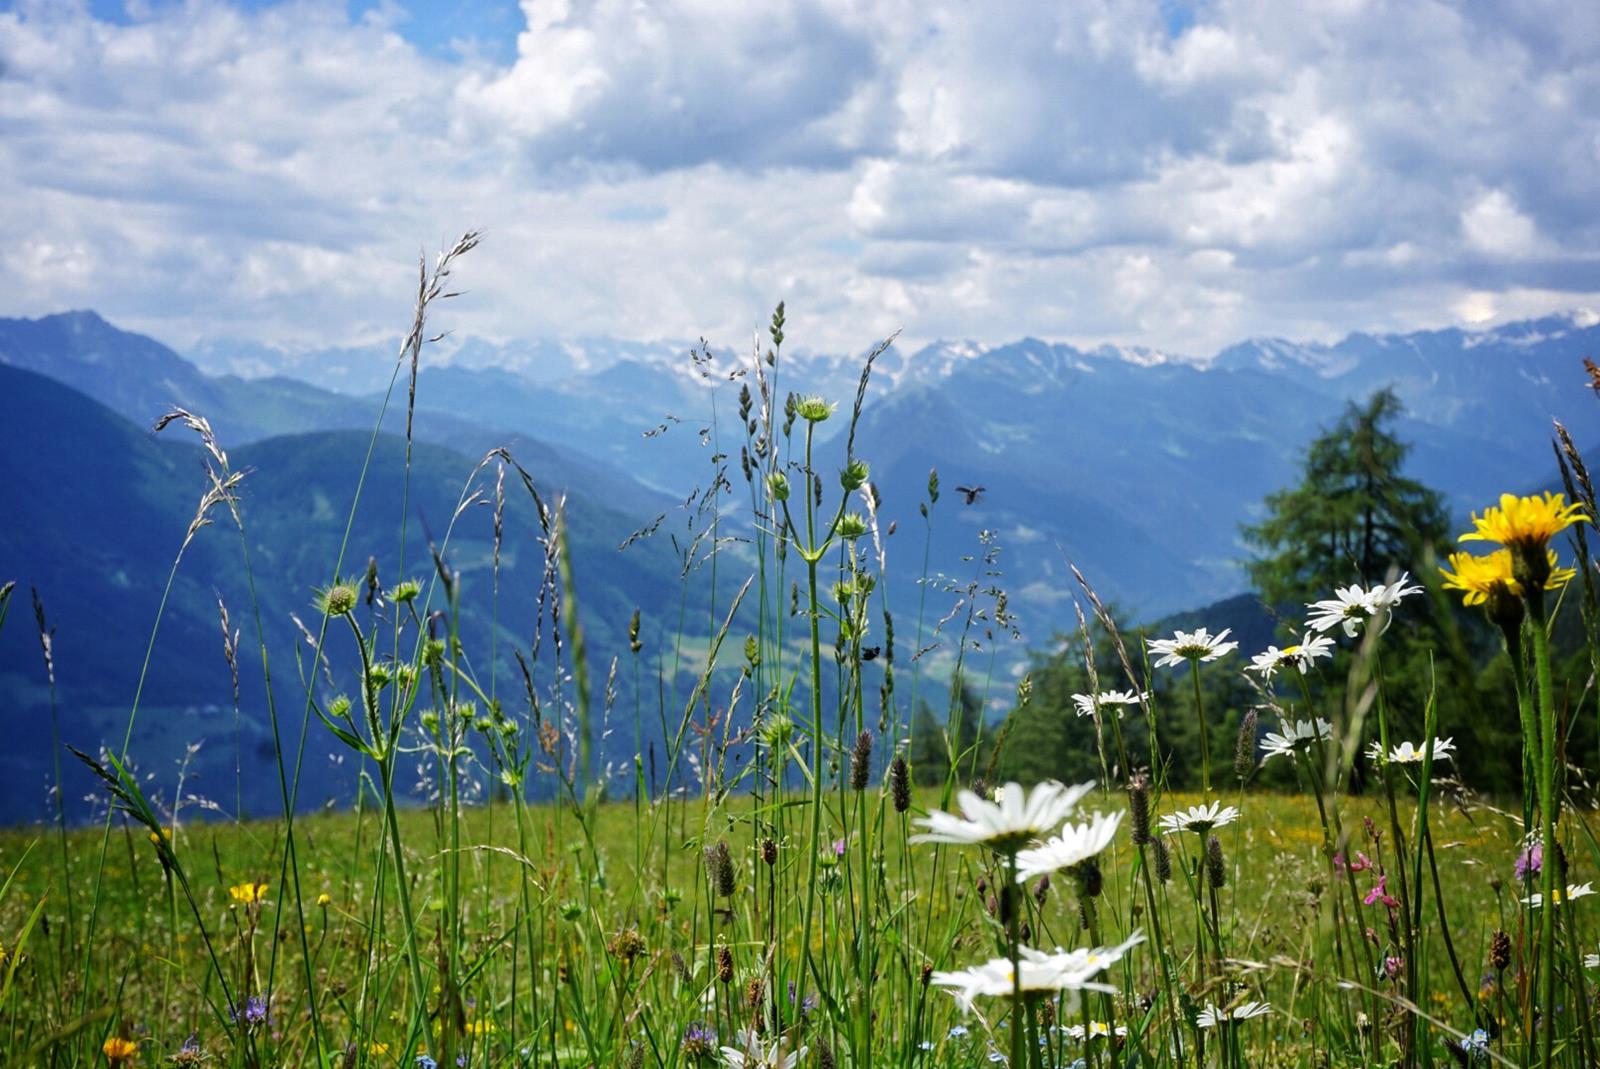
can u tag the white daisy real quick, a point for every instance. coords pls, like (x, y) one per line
(1007, 824)
(1408, 753)
(1198, 645)
(1310, 648)
(1578, 890)
(1062, 971)
(1074, 843)
(753, 1054)
(1297, 735)
(1200, 818)
(1352, 606)
(1095, 1030)
(1088, 703)
(1212, 1016)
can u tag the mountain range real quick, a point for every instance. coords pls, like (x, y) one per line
(1136, 465)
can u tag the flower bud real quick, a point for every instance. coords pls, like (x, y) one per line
(778, 483)
(1139, 809)
(861, 762)
(813, 409)
(900, 784)
(853, 476)
(1216, 870)
(1163, 859)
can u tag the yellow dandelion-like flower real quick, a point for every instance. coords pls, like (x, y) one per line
(1525, 522)
(377, 1050)
(479, 1027)
(324, 900)
(248, 893)
(118, 1050)
(1481, 577)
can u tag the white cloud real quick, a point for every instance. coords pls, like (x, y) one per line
(672, 170)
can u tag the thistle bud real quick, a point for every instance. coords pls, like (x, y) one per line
(861, 762)
(719, 869)
(1139, 809)
(1244, 748)
(1216, 870)
(724, 965)
(900, 784)
(1163, 860)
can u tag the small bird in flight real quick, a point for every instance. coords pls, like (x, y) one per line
(972, 493)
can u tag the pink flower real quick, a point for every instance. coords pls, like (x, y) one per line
(1361, 864)
(1380, 893)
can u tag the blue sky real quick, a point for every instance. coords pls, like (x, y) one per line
(1140, 171)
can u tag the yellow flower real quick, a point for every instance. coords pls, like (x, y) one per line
(324, 900)
(1480, 577)
(479, 1027)
(116, 1049)
(248, 893)
(1525, 522)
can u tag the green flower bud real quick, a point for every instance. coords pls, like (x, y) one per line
(851, 526)
(854, 475)
(338, 600)
(813, 409)
(778, 483)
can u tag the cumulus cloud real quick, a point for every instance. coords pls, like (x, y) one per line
(1086, 172)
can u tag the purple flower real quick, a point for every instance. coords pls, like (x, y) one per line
(253, 1014)
(1530, 861)
(699, 1040)
(838, 848)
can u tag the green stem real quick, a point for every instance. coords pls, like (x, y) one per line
(1534, 596)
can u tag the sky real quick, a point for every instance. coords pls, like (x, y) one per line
(1173, 175)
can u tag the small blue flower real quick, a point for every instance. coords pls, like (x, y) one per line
(958, 1032)
(425, 1062)
(1477, 1044)
(996, 1057)
(926, 1044)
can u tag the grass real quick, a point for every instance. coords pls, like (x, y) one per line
(774, 907)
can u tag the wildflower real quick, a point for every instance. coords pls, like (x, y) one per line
(1062, 971)
(324, 900)
(1139, 809)
(752, 1054)
(838, 847)
(900, 784)
(1525, 523)
(254, 1012)
(249, 893)
(1200, 818)
(339, 599)
(118, 1050)
(1216, 869)
(189, 1054)
(626, 945)
(1351, 606)
(850, 526)
(1007, 824)
(1530, 861)
(861, 762)
(1192, 646)
(1096, 1030)
(1212, 1017)
(1297, 735)
(1380, 893)
(958, 1032)
(1408, 754)
(1559, 896)
(1500, 951)
(1087, 704)
(1075, 843)
(813, 409)
(1309, 649)
(699, 1040)
(1476, 1045)
(426, 1062)
(719, 869)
